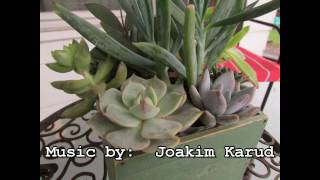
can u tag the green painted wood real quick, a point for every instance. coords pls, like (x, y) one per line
(245, 134)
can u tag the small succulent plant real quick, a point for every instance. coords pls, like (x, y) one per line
(97, 71)
(143, 114)
(223, 100)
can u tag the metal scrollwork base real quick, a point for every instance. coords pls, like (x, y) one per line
(72, 133)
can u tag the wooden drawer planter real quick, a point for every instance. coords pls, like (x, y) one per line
(245, 134)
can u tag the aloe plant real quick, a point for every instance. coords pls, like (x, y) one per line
(223, 99)
(144, 114)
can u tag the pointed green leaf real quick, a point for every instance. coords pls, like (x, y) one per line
(121, 116)
(249, 13)
(237, 37)
(160, 128)
(243, 66)
(162, 55)
(128, 138)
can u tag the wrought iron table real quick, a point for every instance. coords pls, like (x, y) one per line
(70, 133)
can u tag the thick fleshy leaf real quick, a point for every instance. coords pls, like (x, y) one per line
(101, 125)
(227, 95)
(249, 111)
(186, 115)
(169, 104)
(59, 68)
(130, 93)
(208, 119)
(128, 138)
(237, 87)
(205, 83)
(228, 119)
(111, 96)
(133, 78)
(237, 103)
(72, 86)
(178, 88)
(150, 93)
(121, 116)
(169, 143)
(215, 102)
(227, 80)
(248, 90)
(145, 110)
(195, 97)
(119, 77)
(160, 129)
(158, 86)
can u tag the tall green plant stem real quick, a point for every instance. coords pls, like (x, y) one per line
(189, 45)
(201, 43)
(164, 15)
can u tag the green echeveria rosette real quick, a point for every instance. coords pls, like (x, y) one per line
(224, 101)
(143, 114)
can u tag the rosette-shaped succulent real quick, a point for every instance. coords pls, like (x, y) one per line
(143, 114)
(223, 100)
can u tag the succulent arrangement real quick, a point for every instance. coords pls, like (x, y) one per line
(157, 38)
